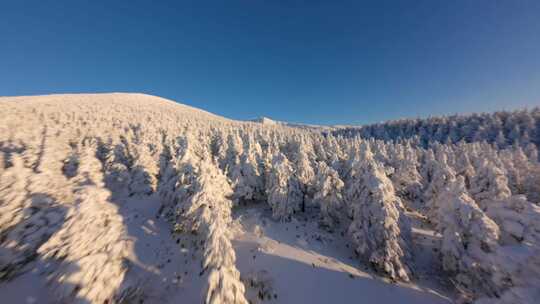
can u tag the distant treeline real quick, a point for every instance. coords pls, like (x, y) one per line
(516, 128)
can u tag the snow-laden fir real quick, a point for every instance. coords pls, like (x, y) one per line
(130, 198)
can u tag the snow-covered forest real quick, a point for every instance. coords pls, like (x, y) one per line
(85, 180)
(503, 129)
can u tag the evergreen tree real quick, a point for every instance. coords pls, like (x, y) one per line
(379, 228)
(468, 237)
(328, 194)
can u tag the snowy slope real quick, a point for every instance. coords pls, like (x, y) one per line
(268, 121)
(297, 262)
(130, 198)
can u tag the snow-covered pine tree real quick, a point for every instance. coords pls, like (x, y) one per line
(283, 189)
(240, 184)
(234, 149)
(13, 194)
(243, 172)
(379, 229)
(15, 212)
(143, 172)
(489, 183)
(406, 178)
(441, 175)
(463, 164)
(116, 165)
(91, 241)
(428, 167)
(532, 184)
(206, 209)
(328, 196)
(469, 236)
(305, 175)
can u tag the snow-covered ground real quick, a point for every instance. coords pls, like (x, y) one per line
(159, 271)
(298, 262)
(292, 262)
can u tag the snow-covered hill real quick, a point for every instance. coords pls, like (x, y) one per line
(268, 121)
(131, 198)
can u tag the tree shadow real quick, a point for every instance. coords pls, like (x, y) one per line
(294, 281)
(311, 272)
(25, 274)
(158, 266)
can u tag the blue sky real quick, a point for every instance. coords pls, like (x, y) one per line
(326, 62)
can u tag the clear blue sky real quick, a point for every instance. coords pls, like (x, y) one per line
(327, 62)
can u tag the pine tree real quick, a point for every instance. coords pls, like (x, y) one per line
(490, 183)
(283, 190)
(406, 178)
(442, 174)
(379, 228)
(328, 194)
(92, 241)
(206, 209)
(469, 236)
(305, 175)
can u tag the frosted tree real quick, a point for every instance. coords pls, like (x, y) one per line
(480, 177)
(15, 210)
(516, 166)
(442, 174)
(469, 236)
(334, 153)
(490, 183)
(520, 280)
(380, 153)
(350, 166)
(170, 178)
(13, 193)
(253, 168)
(142, 183)
(245, 178)
(92, 243)
(406, 179)
(205, 208)
(519, 219)
(283, 190)
(501, 128)
(500, 139)
(512, 213)
(516, 216)
(218, 148)
(379, 229)
(240, 183)
(304, 174)
(117, 163)
(463, 164)
(234, 149)
(532, 184)
(31, 199)
(328, 189)
(517, 271)
(254, 158)
(428, 167)
(531, 150)
(143, 172)
(527, 168)
(514, 136)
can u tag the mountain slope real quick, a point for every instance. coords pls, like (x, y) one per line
(125, 198)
